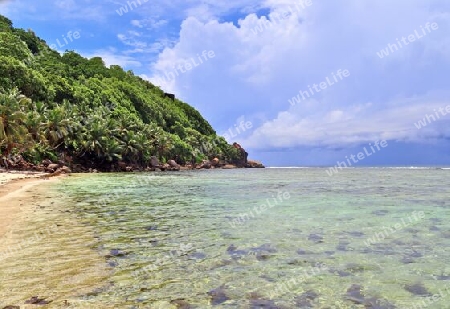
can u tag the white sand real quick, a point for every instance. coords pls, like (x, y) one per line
(6, 177)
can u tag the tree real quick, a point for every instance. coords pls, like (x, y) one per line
(80, 108)
(5, 24)
(13, 130)
(12, 46)
(58, 124)
(35, 121)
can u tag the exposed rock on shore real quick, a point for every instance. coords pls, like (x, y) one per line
(67, 166)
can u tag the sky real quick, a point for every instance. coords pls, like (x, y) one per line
(295, 82)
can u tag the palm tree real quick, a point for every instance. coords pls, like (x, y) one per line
(164, 145)
(35, 122)
(58, 125)
(13, 131)
(94, 135)
(144, 147)
(98, 139)
(112, 149)
(130, 145)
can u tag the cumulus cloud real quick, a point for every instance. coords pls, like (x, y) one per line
(355, 125)
(263, 61)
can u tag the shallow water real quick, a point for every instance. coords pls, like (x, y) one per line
(363, 238)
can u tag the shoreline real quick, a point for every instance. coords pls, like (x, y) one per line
(62, 167)
(14, 188)
(46, 172)
(42, 245)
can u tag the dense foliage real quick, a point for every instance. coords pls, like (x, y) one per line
(54, 106)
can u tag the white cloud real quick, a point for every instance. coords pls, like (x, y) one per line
(352, 126)
(112, 57)
(131, 39)
(65, 4)
(149, 23)
(256, 73)
(137, 23)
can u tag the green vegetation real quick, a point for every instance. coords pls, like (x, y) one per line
(66, 106)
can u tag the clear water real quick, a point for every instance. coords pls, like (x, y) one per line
(363, 238)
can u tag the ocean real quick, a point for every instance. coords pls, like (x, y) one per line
(243, 238)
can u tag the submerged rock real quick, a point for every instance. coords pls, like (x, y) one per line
(356, 234)
(269, 279)
(35, 300)
(264, 248)
(197, 256)
(380, 212)
(112, 264)
(116, 253)
(303, 252)
(263, 303)
(181, 304)
(340, 273)
(415, 254)
(417, 289)
(231, 248)
(342, 246)
(305, 300)
(354, 294)
(355, 268)
(218, 295)
(374, 303)
(257, 301)
(315, 238)
(407, 260)
(236, 254)
(443, 277)
(263, 252)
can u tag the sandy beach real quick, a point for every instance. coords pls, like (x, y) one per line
(13, 189)
(44, 251)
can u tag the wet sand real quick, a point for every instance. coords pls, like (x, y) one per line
(45, 251)
(13, 194)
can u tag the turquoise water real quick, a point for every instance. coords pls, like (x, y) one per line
(363, 238)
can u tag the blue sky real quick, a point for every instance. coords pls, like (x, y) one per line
(267, 52)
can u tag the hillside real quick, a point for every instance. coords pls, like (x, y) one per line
(76, 110)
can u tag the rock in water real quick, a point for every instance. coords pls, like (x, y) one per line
(305, 300)
(417, 289)
(257, 301)
(354, 294)
(218, 295)
(315, 238)
(38, 301)
(181, 304)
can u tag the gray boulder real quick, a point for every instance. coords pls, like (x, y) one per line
(154, 162)
(52, 167)
(174, 165)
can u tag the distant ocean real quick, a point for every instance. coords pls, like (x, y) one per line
(268, 238)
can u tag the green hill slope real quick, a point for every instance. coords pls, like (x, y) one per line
(56, 106)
